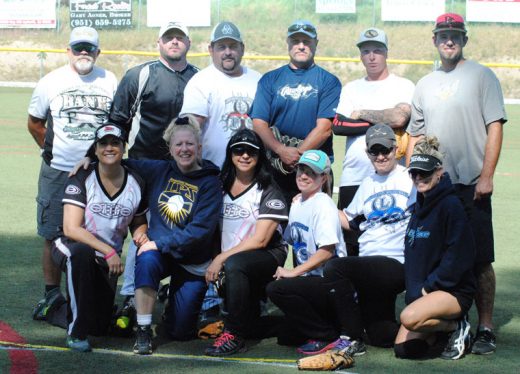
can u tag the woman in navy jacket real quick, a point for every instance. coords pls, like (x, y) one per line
(439, 256)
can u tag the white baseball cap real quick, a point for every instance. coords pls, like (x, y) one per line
(84, 34)
(171, 26)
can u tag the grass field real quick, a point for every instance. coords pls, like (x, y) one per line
(21, 280)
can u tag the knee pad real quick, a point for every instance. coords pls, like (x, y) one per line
(414, 348)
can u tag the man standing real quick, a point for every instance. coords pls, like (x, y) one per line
(220, 96)
(379, 97)
(148, 98)
(297, 100)
(67, 106)
(461, 103)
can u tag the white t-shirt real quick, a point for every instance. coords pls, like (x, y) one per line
(371, 95)
(384, 201)
(225, 102)
(314, 223)
(74, 106)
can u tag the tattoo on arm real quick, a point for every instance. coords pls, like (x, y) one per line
(395, 117)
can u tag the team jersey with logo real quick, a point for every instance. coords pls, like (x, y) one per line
(384, 202)
(225, 102)
(74, 106)
(314, 223)
(107, 218)
(240, 214)
(293, 99)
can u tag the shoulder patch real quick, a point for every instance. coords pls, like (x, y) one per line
(275, 204)
(72, 190)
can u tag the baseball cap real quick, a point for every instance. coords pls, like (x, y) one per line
(110, 129)
(373, 35)
(449, 21)
(244, 137)
(226, 30)
(380, 134)
(317, 160)
(84, 34)
(173, 25)
(304, 27)
(424, 162)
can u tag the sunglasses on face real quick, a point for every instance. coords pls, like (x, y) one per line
(424, 174)
(241, 149)
(376, 151)
(87, 47)
(300, 27)
(304, 169)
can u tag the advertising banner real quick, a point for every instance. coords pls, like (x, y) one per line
(191, 13)
(101, 14)
(29, 14)
(411, 10)
(493, 11)
(335, 6)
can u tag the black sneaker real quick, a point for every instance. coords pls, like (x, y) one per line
(485, 342)
(143, 342)
(226, 344)
(53, 297)
(459, 341)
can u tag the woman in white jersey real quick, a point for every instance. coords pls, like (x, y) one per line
(100, 204)
(364, 288)
(252, 244)
(314, 231)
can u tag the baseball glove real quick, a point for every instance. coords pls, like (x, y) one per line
(330, 360)
(273, 157)
(401, 137)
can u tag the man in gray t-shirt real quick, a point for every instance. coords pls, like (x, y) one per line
(461, 104)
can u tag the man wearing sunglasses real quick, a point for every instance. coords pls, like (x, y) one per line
(378, 97)
(147, 100)
(66, 108)
(461, 103)
(298, 100)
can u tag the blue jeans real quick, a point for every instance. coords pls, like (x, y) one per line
(185, 295)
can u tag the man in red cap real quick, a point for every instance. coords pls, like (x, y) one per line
(462, 104)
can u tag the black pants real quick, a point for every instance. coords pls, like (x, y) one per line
(375, 281)
(90, 290)
(247, 275)
(304, 300)
(346, 195)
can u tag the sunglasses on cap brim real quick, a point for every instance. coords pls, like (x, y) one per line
(302, 27)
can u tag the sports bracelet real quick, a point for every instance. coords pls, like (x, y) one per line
(113, 252)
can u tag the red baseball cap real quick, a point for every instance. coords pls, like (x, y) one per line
(449, 21)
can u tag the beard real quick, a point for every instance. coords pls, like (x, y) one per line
(84, 66)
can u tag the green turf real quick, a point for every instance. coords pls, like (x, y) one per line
(21, 280)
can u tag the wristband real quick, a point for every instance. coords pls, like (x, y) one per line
(110, 254)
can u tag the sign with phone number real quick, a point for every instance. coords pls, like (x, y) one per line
(101, 13)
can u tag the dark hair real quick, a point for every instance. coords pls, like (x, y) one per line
(263, 172)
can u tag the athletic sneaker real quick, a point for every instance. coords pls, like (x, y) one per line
(459, 341)
(485, 342)
(312, 347)
(226, 344)
(143, 342)
(78, 345)
(52, 297)
(352, 348)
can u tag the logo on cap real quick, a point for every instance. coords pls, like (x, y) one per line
(371, 33)
(227, 30)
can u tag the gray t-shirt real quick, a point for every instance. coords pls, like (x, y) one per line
(456, 107)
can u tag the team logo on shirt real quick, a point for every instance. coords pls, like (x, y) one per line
(385, 209)
(234, 211)
(176, 201)
(275, 204)
(447, 90)
(418, 233)
(235, 115)
(297, 232)
(297, 92)
(108, 210)
(72, 190)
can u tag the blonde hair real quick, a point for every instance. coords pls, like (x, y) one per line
(429, 145)
(187, 122)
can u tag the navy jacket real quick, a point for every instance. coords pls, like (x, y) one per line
(439, 246)
(184, 208)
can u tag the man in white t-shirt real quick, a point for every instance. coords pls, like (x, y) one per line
(66, 108)
(379, 97)
(221, 95)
